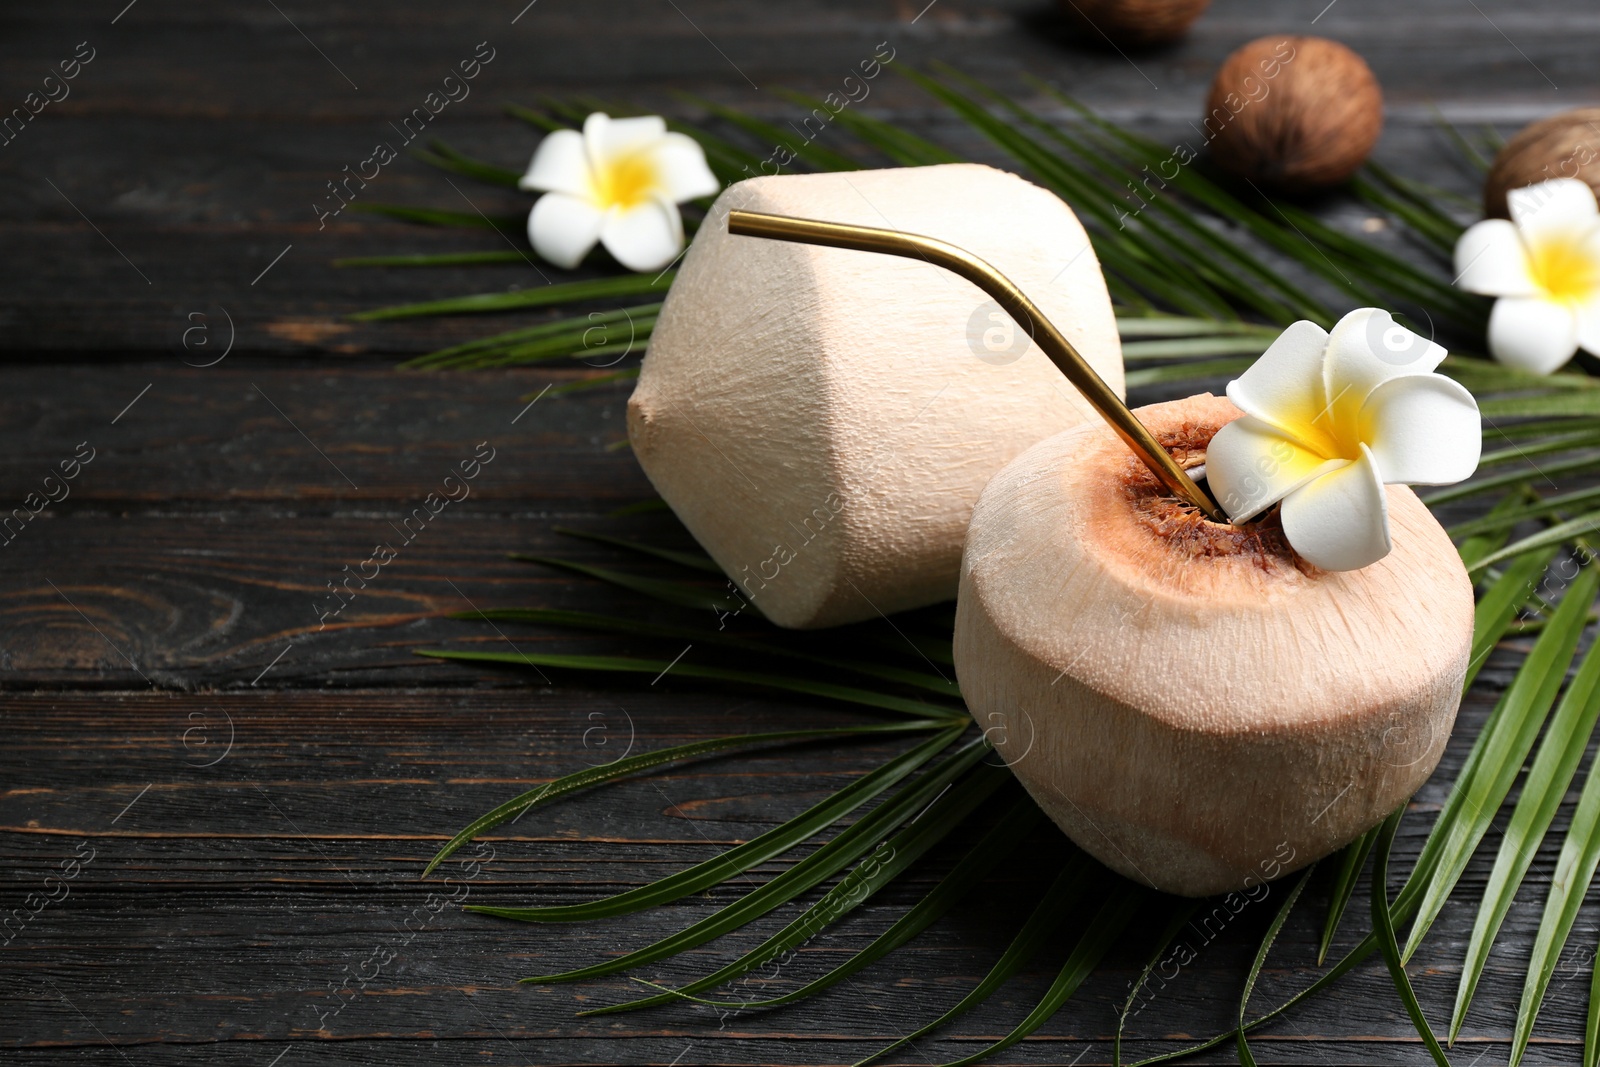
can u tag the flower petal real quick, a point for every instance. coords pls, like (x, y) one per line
(559, 165)
(683, 168)
(1284, 386)
(1367, 348)
(1532, 333)
(1250, 466)
(1562, 204)
(1340, 521)
(1588, 312)
(1491, 259)
(647, 237)
(1423, 429)
(563, 228)
(607, 138)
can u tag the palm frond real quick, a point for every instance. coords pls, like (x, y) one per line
(1575, 867)
(1242, 1043)
(575, 620)
(427, 216)
(1351, 860)
(520, 299)
(1105, 928)
(883, 865)
(1502, 748)
(441, 155)
(1053, 911)
(848, 847)
(989, 853)
(1383, 926)
(647, 761)
(740, 858)
(869, 698)
(1565, 741)
(439, 259)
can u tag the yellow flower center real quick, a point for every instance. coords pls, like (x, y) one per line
(1342, 441)
(1335, 431)
(627, 181)
(1563, 268)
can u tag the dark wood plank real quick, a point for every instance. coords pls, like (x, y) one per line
(197, 141)
(219, 908)
(221, 901)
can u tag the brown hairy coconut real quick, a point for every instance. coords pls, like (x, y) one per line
(823, 420)
(1135, 23)
(1191, 702)
(1293, 113)
(1562, 146)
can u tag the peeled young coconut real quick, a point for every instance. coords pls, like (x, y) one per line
(1190, 702)
(1561, 146)
(823, 420)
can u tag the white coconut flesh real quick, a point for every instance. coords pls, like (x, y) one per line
(820, 418)
(1191, 703)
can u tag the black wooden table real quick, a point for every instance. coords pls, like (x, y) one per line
(234, 795)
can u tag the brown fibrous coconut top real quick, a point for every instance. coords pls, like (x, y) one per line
(1183, 529)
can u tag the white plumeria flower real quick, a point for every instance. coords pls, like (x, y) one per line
(1544, 265)
(1330, 418)
(619, 183)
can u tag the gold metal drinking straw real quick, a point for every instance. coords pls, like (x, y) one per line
(1027, 315)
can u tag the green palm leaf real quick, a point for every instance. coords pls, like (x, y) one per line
(607, 624)
(1563, 746)
(1104, 930)
(1182, 912)
(1499, 605)
(740, 858)
(695, 560)
(596, 382)
(906, 149)
(1049, 915)
(678, 594)
(1012, 827)
(438, 154)
(849, 846)
(628, 665)
(1351, 860)
(647, 761)
(1246, 1058)
(886, 863)
(441, 259)
(1578, 465)
(520, 299)
(568, 335)
(1575, 867)
(1383, 927)
(810, 152)
(1501, 749)
(425, 216)
(1559, 534)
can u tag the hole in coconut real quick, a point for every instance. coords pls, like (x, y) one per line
(1197, 474)
(1183, 528)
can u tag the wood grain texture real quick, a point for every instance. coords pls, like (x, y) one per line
(226, 903)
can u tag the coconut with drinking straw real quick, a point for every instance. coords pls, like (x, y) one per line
(1208, 688)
